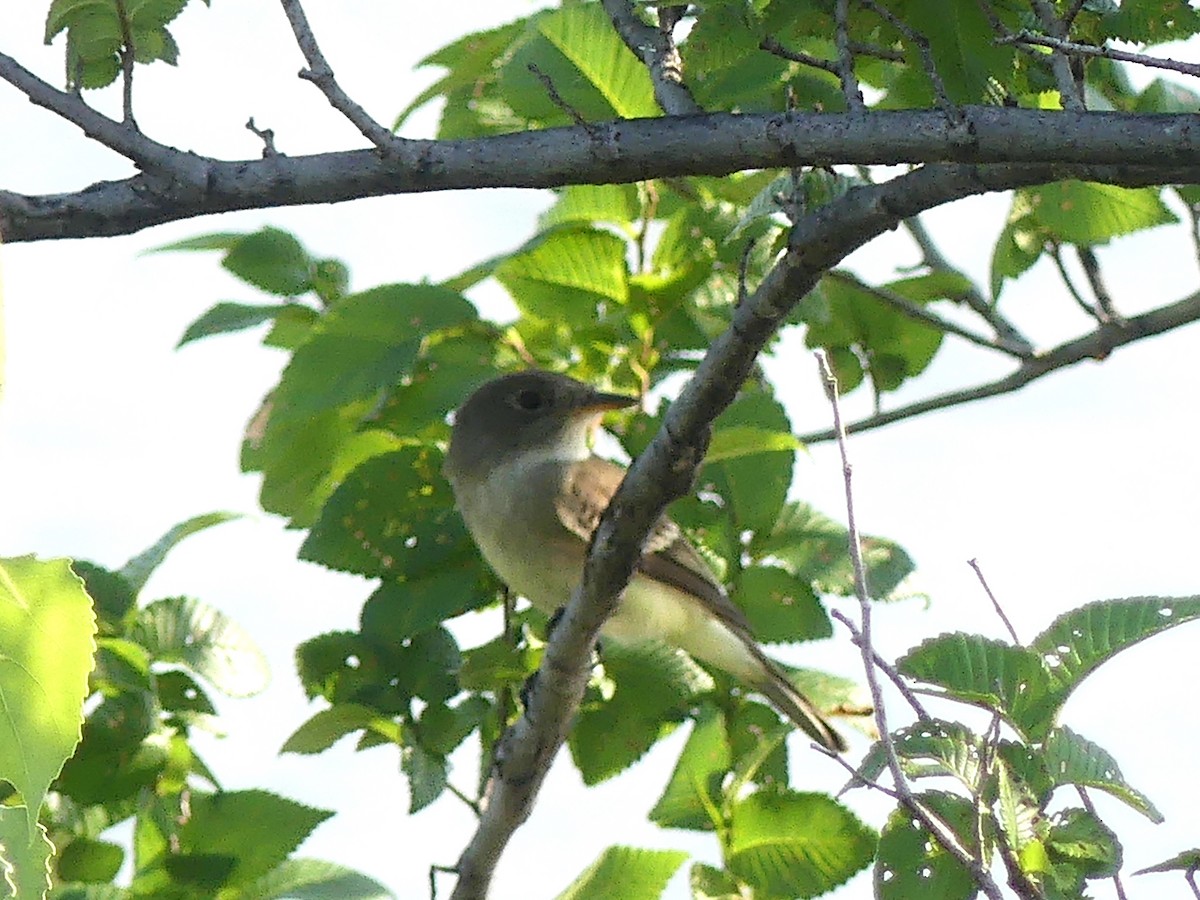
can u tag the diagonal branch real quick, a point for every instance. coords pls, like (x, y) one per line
(121, 137)
(1095, 345)
(664, 471)
(320, 73)
(655, 47)
(919, 313)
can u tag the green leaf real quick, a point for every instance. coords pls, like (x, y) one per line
(747, 440)
(708, 883)
(1187, 861)
(1080, 212)
(112, 594)
(426, 776)
(693, 796)
(328, 726)
(568, 277)
(815, 548)
(189, 631)
(138, 570)
(25, 851)
(273, 261)
(1010, 680)
(965, 54)
(254, 830)
(585, 36)
(780, 606)
(1078, 641)
(228, 317)
(653, 687)
(895, 346)
(796, 844)
(1150, 21)
(47, 633)
(910, 861)
(394, 517)
(1071, 759)
(755, 487)
(1081, 846)
(583, 204)
(89, 860)
(367, 343)
(928, 748)
(213, 240)
(630, 873)
(314, 879)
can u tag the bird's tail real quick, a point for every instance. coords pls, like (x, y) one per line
(787, 698)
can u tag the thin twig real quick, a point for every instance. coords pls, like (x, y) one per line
(1055, 250)
(557, 99)
(772, 46)
(320, 74)
(1069, 89)
(919, 313)
(1068, 18)
(845, 57)
(655, 47)
(1095, 345)
(1091, 808)
(1071, 48)
(938, 829)
(127, 55)
(884, 666)
(855, 776)
(266, 135)
(941, 97)
(1190, 877)
(858, 48)
(1104, 301)
(974, 564)
(1193, 211)
(1007, 334)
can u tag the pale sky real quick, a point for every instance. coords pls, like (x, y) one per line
(1081, 487)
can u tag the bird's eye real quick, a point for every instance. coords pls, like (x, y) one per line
(530, 400)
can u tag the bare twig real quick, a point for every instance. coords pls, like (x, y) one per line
(884, 666)
(1056, 255)
(1068, 18)
(974, 564)
(1008, 335)
(856, 778)
(1193, 211)
(1095, 345)
(1069, 88)
(919, 313)
(938, 829)
(941, 97)
(772, 46)
(1190, 877)
(320, 73)
(557, 99)
(1071, 48)
(845, 57)
(1104, 301)
(266, 135)
(655, 47)
(890, 54)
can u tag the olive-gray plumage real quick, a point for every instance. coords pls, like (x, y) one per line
(532, 493)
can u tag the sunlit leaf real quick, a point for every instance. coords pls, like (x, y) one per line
(627, 872)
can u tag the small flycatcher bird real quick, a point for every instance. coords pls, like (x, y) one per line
(532, 492)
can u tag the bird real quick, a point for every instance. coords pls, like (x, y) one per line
(531, 492)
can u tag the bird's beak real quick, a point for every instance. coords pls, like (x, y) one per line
(598, 402)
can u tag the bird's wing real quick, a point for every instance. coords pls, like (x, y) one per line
(668, 556)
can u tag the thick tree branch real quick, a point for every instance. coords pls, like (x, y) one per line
(1095, 345)
(664, 471)
(1094, 146)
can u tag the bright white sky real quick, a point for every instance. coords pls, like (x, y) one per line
(1079, 488)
